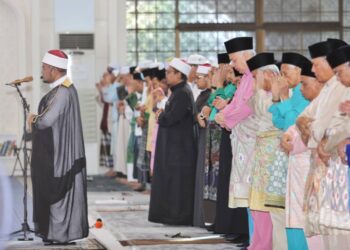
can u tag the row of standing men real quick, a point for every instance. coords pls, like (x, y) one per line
(255, 148)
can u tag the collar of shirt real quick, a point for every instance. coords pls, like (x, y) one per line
(58, 82)
(247, 72)
(179, 85)
(203, 91)
(331, 81)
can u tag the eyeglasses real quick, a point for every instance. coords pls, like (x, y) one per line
(200, 76)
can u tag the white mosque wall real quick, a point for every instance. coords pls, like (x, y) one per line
(27, 31)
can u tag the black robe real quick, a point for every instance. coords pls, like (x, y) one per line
(59, 168)
(172, 194)
(202, 99)
(198, 216)
(227, 220)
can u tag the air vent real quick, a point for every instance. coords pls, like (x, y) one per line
(76, 41)
(88, 111)
(76, 53)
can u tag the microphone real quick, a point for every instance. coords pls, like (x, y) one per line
(19, 81)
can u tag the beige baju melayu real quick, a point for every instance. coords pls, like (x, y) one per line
(334, 204)
(321, 110)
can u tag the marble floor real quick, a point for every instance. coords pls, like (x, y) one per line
(124, 215)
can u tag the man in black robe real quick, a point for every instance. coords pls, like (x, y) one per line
(58, 158)
(172, 194)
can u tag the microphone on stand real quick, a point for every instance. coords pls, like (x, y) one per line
(19, 81)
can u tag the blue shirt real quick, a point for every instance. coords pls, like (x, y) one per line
(285, 113)
(110, 95)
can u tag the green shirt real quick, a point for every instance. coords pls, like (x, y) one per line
(225, 93)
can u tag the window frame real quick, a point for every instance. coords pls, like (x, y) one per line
(258, 26)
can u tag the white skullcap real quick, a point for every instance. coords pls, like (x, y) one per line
(203, 70)
(124, 70)
(154, 65)
(196, 59)
(56, 58)
(214, 63)
(144, 64)
(113, 65)
(166, 65)
(161, 66)
(181, 66)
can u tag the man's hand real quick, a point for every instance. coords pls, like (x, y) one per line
(121, 107)
(341, 150)
(279, 88)
(130, 88)
(118, 78)
(303, 124)
(345, 107)
(143, 108)
(305, 138)
(140, 121)
(103, 83)
(157, 95)
(220, 103)
(219, 77)
(324, 156)
(140, 107)
(275, 89)
(201, 121)
(220, 119)
(284, 88)
(259, 80)
(286, 144)
(106, 80)
(206, 111)
(30, 120)
(159, 111)
(230, 75)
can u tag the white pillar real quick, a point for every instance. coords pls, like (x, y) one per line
(36, 60)
(117, 31)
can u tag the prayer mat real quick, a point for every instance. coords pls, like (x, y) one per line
(139, 242)
(105, 184)
(88, 244)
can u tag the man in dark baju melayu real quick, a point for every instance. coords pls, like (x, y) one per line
(172, 194)
(58, 159)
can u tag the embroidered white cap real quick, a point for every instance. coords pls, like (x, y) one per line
(196, 59)
(203, 70)
(56, 58)
(181, 66)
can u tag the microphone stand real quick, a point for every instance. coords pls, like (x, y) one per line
(25, 227)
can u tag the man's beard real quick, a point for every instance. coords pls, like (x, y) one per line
(44, 81)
